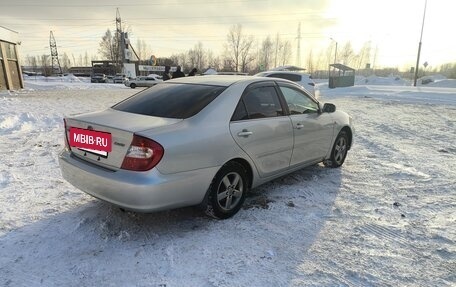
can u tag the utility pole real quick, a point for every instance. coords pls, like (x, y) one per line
(120, 56)
(298, 52)
(419, 46)
(54, 55)
(335, 53)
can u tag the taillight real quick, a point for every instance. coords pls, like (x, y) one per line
(143, 154)
(67, 144)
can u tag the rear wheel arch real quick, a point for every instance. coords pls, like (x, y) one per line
(247, 167)
(207, 205)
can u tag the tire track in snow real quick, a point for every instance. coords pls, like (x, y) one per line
(385, 233)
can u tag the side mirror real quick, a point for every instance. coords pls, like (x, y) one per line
(329, 108)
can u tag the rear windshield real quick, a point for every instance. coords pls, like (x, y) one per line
(291, 77)
(179, 101)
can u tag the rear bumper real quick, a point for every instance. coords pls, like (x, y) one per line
(137, 191)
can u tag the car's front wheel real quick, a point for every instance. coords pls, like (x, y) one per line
(133, 85)
(339, 151)
(227, 191)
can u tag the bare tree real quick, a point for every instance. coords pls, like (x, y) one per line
(247, 58)
(448, 70)
(86, 59)
(65, 62)
(266, 53)
(175, 59)
(191, 58)
(238, 47)
(109, 47)
(278, 46)
(212, 61)
(199, 56)
(45, 65)
(276, 53)
(347, 55)
(31, 62)
(227, 63)
(142, 50)
(195, 58)
(183, 61)
(310, 62)
(364, 56)
(74, 60)
(285, 54)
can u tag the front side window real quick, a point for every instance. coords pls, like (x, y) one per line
(179, 101)
(298, 102)
(262, 102)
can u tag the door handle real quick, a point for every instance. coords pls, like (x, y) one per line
(245, 133)
(299, 126)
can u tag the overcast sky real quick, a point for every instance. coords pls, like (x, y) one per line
(169, 27)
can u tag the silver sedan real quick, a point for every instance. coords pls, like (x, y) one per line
(201, 141)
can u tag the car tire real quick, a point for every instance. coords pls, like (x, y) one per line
(133, 85)
(227, 191)
(339, 151)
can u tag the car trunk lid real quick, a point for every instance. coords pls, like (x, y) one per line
(121, 126)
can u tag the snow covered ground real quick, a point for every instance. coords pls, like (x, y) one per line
(386, 218)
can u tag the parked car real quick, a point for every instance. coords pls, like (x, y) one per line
(201, 141)
(119, 79)
(98, 78)
(145, 81)
(305, 80)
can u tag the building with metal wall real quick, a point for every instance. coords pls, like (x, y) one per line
(10, 69)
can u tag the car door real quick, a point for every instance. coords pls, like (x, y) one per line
(312, 129)
(262, 129)
(149, 81)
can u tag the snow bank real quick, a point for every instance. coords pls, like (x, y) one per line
(387, 81)
(427, 81)
(65, 83)
(437, 81)
(405, 94)
(446, 83)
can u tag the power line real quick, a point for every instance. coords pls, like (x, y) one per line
(174, 18)
(132, 4)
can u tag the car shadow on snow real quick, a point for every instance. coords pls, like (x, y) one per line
(120, 245)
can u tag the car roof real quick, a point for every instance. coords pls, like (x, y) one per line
(216, 80)
(284, 72)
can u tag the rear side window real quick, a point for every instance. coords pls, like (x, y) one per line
(291, 77)
(262, 102)
(179, 101)
(240, 113)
